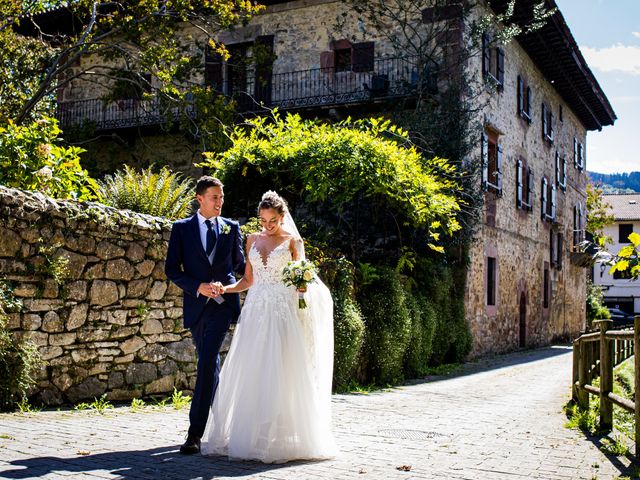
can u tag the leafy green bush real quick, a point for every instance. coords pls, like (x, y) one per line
(32, 159)
(368, 161)
(423, 324)
(443, 285)
(388, 327)
(163, 194)
(348, 326)
(595, 306)
(18, 360)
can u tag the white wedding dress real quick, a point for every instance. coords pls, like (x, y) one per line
(273, 402)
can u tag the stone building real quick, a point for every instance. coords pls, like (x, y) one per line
(539, 102)
(619, 290)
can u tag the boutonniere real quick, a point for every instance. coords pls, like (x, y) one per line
(225, 228)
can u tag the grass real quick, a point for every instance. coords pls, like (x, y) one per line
(615, 446)
(589, 420)
(137, 404)
(99, 405)
(25, 407)
(178, 400)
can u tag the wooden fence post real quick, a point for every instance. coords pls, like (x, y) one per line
(583, 369)
(636, 374)
(606, 377)
(575, 374)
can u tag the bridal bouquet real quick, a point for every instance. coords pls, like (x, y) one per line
(299, 273)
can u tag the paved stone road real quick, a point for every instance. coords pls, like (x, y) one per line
(500, 418)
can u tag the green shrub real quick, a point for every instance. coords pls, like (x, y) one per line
(423, 324)
(348, 327)
(163, 194)
(595, 304)
(443, 285)
(338, 166)
(32, 159)
(18, 362)
(388, 328)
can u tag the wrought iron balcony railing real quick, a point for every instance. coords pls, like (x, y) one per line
(389, 78)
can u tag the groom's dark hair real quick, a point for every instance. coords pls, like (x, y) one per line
(205, 182)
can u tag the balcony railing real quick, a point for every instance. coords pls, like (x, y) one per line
(389, 78)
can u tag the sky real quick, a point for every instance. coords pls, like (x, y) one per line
(608, 34)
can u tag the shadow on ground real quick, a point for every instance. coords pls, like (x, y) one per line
(631, 470)
(496, 362)
(139, 464)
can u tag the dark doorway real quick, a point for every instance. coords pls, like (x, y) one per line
(523, 320)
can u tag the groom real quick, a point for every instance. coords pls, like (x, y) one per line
(203, 250)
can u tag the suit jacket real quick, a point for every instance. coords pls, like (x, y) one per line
(187, 264)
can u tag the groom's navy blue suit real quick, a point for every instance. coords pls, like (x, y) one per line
(188, 266)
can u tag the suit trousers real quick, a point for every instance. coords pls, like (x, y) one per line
(208, 333)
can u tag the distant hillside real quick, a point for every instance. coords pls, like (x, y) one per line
(617, 182)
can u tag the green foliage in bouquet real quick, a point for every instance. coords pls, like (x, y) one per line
(162, 194)
(388, 327)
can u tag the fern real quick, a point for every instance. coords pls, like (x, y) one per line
(163, 193)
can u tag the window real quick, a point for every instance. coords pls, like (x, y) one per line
(548, 207)
(556, 244)
(491, 163)
(524, 182)
(578, 154)
(492, 62)
(246, 74)
(578, 225)
(547, 124)
(624, 230)
(524, 99)
(561, 172)
(546, 288)
(131, 85)
(343, 59)
(491, 280)
(345, 56)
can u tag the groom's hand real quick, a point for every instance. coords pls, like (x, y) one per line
(208, 290)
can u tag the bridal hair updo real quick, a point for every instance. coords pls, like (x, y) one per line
(272, 200)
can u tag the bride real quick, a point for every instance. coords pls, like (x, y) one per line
(273, 402)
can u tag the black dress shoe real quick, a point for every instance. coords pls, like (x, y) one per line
(191, 446)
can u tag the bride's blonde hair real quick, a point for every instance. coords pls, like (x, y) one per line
(271, 199)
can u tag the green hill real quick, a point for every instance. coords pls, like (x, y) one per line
(617, 182)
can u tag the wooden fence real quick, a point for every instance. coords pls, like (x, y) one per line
(595, 355)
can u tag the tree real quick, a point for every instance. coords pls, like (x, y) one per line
(598, 214)
(133, 46)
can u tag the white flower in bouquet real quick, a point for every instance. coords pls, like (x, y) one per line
(299, 274)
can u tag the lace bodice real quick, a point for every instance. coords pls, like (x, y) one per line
(268, 270)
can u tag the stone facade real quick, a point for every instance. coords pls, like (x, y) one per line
(537, 293)
(112, 322)
(520, 239)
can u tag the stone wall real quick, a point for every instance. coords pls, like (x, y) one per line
(113, 324)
